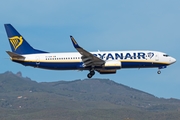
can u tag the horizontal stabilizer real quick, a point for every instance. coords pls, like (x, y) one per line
(14, 55)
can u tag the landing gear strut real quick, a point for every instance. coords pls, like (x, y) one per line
(91, 73)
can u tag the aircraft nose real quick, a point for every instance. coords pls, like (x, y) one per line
(173, 60)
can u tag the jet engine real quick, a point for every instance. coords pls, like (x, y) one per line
(112, 64)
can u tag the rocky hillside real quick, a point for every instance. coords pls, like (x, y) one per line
(89, 98)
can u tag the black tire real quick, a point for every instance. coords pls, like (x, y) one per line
(89, 75)
(92, 72)
(158, 72)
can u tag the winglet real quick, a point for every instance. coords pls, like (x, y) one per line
(74, 42)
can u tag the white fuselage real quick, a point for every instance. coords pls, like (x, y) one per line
(72, 60)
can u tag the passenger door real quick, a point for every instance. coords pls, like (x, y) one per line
(157, 57)
(37, 60)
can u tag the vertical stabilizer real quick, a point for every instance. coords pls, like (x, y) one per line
(18, 44)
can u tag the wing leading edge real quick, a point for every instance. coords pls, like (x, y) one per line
(88, 58)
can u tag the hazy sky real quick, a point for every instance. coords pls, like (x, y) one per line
(98, 25)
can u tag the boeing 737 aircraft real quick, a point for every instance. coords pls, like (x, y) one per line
(104, 62)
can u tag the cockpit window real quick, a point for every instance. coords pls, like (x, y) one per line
(165, 55)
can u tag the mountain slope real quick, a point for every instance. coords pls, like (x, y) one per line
(82, 99)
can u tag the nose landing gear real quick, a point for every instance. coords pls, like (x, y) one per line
(161, 67)
(158, 72)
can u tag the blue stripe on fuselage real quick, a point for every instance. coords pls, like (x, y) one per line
(141, 64)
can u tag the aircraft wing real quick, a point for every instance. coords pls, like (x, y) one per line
(88, 58)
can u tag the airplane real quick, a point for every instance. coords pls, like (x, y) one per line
(104, 62)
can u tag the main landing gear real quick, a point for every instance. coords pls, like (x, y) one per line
(91, 73)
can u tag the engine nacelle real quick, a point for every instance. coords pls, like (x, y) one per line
(112, 64)
(107, 71)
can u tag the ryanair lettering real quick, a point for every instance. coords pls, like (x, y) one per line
(117, 56)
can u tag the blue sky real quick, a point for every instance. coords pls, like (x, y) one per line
(98, 25)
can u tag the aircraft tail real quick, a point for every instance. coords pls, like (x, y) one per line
(18, 44)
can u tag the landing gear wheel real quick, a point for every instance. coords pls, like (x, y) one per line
(89, 75)
(159, 72)
(92, 72)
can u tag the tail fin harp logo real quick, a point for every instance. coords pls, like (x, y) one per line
(16, 41)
